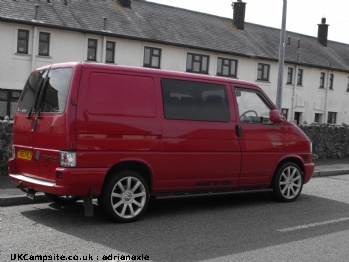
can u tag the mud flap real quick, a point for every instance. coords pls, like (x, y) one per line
(88, 204)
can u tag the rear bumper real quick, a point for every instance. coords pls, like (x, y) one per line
(308, 172)
(75, 182)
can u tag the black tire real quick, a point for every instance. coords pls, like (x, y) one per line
(287, 182)
(62, 200)
(125, 197)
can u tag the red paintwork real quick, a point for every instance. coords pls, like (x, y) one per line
(107, 129)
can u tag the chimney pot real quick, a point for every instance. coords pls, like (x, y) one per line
(36, 14)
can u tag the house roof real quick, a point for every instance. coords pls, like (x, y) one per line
(158, 23)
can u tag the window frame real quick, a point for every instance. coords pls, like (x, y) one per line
(152, 55)
(230, 62)
(300, 77)
(330, 116)
(331, 82)
(10, 98)
(92, 48)
(112, 50)
(200, 57)
(289, 76)
(261, 72)
(322, 79)
(26, 39)
(44, 42)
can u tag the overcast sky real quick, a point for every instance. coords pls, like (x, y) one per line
(303, 16)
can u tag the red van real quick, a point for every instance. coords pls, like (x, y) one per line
(123, 134)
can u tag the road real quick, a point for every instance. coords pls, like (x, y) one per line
(245, 227)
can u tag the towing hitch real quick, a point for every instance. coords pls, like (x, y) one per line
(30, 192)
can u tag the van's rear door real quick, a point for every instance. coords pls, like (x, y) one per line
(45, 121)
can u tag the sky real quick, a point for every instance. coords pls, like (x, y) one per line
(303, 16)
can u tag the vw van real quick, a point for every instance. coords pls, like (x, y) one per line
(123, 134)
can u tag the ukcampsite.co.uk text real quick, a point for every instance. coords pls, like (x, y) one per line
(57, 257)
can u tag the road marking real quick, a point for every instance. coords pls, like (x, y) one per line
(289, 229)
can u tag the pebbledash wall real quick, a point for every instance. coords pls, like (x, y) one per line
(329, 141)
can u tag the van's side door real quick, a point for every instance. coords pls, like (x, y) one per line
(262, 142)
(201, 149)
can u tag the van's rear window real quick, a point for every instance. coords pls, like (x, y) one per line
(46, 91)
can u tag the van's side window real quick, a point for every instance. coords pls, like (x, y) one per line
(189, 100)
(253, 107)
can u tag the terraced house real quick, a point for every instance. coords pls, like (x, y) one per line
(140, 33)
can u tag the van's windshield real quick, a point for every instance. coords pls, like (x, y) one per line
(46, 91)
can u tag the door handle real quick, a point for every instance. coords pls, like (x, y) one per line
(238, 130)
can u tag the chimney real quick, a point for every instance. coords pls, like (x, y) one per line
(36, 14)
(125, 3)
(239, 14)
(322, 32)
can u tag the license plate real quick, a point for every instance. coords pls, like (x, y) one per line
(25, 154)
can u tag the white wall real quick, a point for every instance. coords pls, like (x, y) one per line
(72, 46)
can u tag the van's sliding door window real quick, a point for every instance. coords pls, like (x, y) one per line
(189, 100)
(253, 107)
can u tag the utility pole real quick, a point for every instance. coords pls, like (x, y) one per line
(281, 57)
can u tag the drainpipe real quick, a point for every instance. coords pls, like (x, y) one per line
(34, 45)
(104, 41)
(293, 107)
(326, 95)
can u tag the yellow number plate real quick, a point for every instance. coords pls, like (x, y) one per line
(25, 154)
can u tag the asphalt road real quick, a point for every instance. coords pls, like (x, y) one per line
(210, 228)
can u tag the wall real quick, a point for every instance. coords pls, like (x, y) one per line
(5, 144)
(328, 141)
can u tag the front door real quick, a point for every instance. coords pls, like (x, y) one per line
(262, 142)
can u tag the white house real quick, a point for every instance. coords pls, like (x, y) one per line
(140, 33)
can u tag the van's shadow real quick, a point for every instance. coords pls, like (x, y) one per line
(198, 228)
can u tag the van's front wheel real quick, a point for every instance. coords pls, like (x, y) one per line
(287, 182)
(125, 197)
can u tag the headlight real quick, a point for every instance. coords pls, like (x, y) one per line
(67, 159)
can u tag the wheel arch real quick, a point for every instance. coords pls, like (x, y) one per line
(133, 165)
(293, 159)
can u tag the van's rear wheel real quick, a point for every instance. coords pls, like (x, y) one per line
(125, 197)
(287, 182)
(62, 200)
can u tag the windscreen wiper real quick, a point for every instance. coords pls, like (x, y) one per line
(38, 95)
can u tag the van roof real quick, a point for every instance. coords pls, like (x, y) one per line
(149, 71)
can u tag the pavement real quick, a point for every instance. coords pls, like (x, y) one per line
(10, 195)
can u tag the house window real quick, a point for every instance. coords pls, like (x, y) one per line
(285, 112)
(22, 41)
(297, 117)
(263, 72)
(197, 63)
(44, 44)
(322, 80)
(318, 118)
(92, 50)
(289, 75)
(152, 57)
(300, 77)
(226, 67)
(110, 52)
(8, 102)
(331, 81)
(332, 118)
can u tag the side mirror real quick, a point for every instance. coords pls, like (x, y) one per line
(276, 117)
